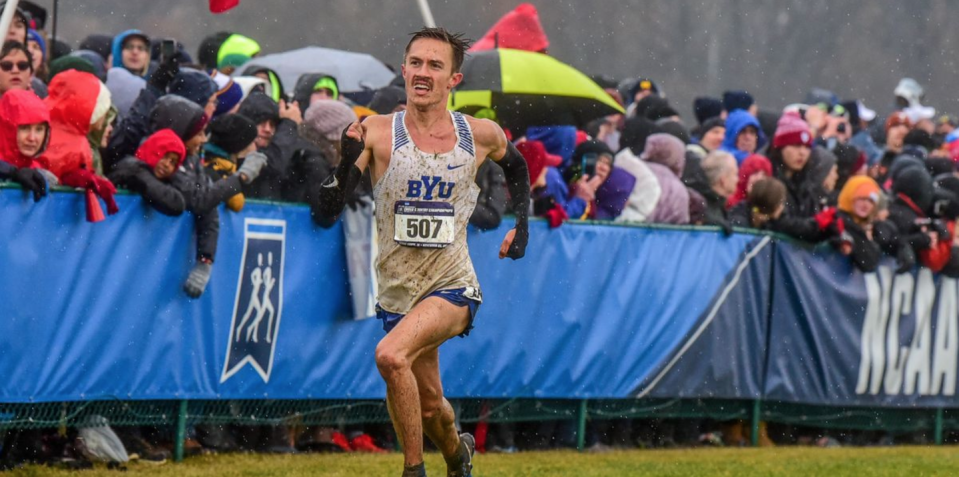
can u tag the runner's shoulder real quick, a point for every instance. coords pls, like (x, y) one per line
(486, 132)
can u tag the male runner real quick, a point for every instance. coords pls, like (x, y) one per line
(423, 163)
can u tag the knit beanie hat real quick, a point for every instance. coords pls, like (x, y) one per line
(665, 149)
(160, 144)
(706, 108)
(328, 118)
(792, 131)
(70, 63)
(193, 85)
(36, 37)
(228, 93)
(858, 187)
(733, 100)
(232, 132)
(711, 123)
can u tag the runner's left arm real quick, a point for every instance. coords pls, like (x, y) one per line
(517, 182)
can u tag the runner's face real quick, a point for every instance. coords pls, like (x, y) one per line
(428, 71)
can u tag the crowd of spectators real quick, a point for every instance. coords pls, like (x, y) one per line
(187, 134)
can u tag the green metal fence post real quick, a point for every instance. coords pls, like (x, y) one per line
(938, 429)
(581, 428)
(180, 432)
(754, 435)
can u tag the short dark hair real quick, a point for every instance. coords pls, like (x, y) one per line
(11, 46)
(455, 40)
(767, 195)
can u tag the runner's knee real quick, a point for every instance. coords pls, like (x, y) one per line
(389, 360)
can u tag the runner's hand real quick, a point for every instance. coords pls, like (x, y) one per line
(353, 142)
(514, 245)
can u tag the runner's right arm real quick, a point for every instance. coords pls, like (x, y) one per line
(354, 157)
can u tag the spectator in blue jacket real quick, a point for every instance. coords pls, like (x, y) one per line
(743, 135)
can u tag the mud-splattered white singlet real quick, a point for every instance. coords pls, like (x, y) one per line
(423, 205)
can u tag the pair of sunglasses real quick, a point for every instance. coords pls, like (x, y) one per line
(6, 66)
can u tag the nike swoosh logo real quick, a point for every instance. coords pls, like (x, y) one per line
(454, 167)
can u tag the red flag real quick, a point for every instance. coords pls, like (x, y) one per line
(220, 6)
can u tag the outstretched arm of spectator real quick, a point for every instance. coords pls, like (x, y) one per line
(136, 176)
(130, 132)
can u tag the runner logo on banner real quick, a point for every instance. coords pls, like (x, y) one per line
(259, 299)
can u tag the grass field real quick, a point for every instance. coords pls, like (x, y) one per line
(792, 461)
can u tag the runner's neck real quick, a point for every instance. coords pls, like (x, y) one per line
(429, 121)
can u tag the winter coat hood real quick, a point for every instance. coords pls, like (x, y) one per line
(276, 86)
(179, 114)
(117, 48)
(77, 100)
(735, 123)
(635, 132)
(753, 164)
(307, 83)
(158, 145)
(665, 149)
(124, 87)
(559, 140)
(20, 108)
(259, 107)
(916, 184)
(519, 29)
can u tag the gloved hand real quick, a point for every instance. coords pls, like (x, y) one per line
(350, 146)
(252, 165)
(100, 186)
(199, 277)
(31, 180)
(165, 73)
(517, 249)
(905, 259)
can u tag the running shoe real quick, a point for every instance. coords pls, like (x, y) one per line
(467, 448)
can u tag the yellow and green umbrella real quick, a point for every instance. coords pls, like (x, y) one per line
(529, 89)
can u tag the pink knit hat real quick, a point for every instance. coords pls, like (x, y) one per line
(792, 131)
(329, 117)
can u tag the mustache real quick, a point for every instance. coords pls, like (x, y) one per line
(426, 80)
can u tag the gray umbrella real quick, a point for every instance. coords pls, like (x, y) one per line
(353, 71)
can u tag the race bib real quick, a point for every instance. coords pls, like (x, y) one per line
(424, 224)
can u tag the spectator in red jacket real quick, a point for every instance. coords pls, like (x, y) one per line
(24, 134)
(78, 103)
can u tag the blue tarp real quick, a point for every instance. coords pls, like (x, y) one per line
(594, 311)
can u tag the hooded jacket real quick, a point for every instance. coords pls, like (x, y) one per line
(136, 173)
(117, 51)
(753, 164)
(76, 101)
(276, 86)
(20, 108)
(176, 113)
(305, 86)
(281, 153)
(912, 197)
(644, 193)
(735, 123)
(125, 88)
(666, 157)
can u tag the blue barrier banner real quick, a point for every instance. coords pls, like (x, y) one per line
(593, 311)
(841, 337)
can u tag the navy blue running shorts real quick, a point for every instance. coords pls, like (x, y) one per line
(457, 297)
